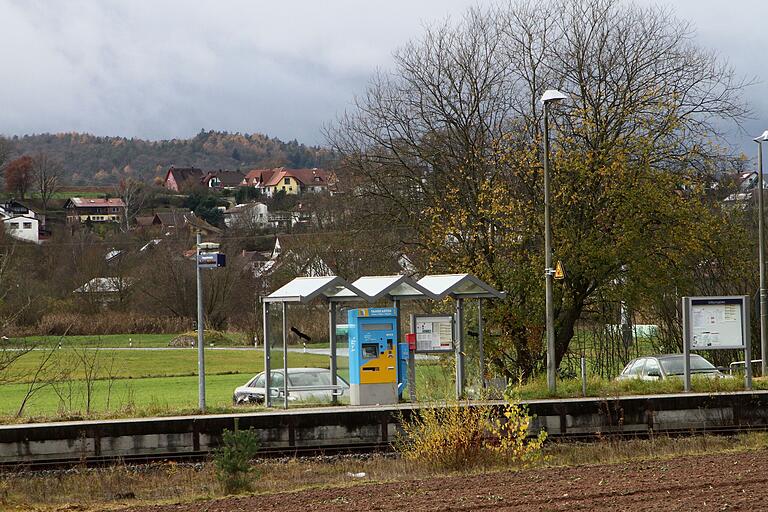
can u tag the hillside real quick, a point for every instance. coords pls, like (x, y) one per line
(91, 160)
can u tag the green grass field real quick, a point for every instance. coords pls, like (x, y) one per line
(139, 382)
(135, 382)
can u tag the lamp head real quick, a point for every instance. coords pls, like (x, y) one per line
(762, 138)
(553, 95)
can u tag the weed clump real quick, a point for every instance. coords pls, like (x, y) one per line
(450, 436)
(460, 435)
(232, 460)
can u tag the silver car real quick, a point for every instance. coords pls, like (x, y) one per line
(303, 384)
(672, 365)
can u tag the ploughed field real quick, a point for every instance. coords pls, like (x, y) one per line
(726, 481)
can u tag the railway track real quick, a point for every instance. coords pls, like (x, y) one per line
(345, 430)
(326, 450)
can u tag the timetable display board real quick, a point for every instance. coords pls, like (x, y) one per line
(434, 333)
(716, 323)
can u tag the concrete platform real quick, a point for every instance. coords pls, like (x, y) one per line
(366, 427)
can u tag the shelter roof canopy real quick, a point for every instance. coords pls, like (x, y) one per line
(306, 289)
(379, 287)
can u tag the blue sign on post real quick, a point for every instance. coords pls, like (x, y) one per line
(213, 260)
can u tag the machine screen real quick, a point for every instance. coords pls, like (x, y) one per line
(377, 327)
(370, 351)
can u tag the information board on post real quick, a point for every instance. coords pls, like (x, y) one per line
(717, 323)
(434, 333)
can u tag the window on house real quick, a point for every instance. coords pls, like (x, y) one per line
(14, 225)
(287, 181)
(27, 225)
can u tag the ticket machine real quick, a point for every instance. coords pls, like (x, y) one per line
(375, 374)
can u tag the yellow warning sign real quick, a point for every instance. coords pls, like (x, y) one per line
(559, 271)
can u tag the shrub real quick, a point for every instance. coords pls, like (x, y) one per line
(232, 459)
(460, 435)
(510, 433)
(447, 437)
(108, 322)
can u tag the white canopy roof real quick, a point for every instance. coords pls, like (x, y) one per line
(374, 288)
(306, 289)
(460, 286)
(392, 287)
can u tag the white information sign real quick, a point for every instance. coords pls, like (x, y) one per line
(716, 323)
(434, 333)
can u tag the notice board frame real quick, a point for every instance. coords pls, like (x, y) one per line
(447, 318)
(689, 330)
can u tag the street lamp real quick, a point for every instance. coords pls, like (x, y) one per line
(761, 257)
(549, 96)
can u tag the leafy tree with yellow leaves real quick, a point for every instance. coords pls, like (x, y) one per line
(447, 148)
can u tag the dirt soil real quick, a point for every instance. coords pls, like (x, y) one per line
(732, 481)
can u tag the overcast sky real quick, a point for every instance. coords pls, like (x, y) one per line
(167, 68)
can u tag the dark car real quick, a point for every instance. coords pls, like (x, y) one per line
(671, 365)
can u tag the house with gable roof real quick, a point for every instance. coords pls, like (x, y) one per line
(20, 222)
(183, 179)
(83, 209)
(290, 181)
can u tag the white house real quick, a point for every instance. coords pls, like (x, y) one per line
(249, 214)
(20, 222)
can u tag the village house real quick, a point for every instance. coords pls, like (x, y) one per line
(290, 181)
(183, 179)
(253, 215)
(226, 180)
(80, 210)
(168, 219)
(20, 222)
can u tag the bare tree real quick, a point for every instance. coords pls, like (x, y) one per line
(46, 177)
(134, 194)
(5, 150)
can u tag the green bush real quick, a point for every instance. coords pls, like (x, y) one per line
(232, 459)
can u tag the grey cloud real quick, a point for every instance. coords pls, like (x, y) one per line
(166, 68)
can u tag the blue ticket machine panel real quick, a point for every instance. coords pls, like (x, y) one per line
(373, 356)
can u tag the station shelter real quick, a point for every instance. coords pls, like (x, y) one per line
(370, 290)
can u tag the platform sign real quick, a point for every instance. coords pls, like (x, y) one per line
(717, 323)
(211, 260)
(434, 333)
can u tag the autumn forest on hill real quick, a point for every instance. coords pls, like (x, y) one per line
(93, 160)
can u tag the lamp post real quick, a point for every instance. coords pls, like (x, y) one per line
(761, 256)
(207, 256)
(549, 96)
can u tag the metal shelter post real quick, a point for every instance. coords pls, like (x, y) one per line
(200, 327)
(267, 358)
(686, 344)
(412, 365)
(747, 336)
(332, 340)
(480, 346)
(285, 357)
(460, 377)
(399, 327)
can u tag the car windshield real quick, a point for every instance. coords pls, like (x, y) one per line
(310, 379)
(674, 365)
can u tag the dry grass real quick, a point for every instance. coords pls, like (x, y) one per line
(119, 486)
